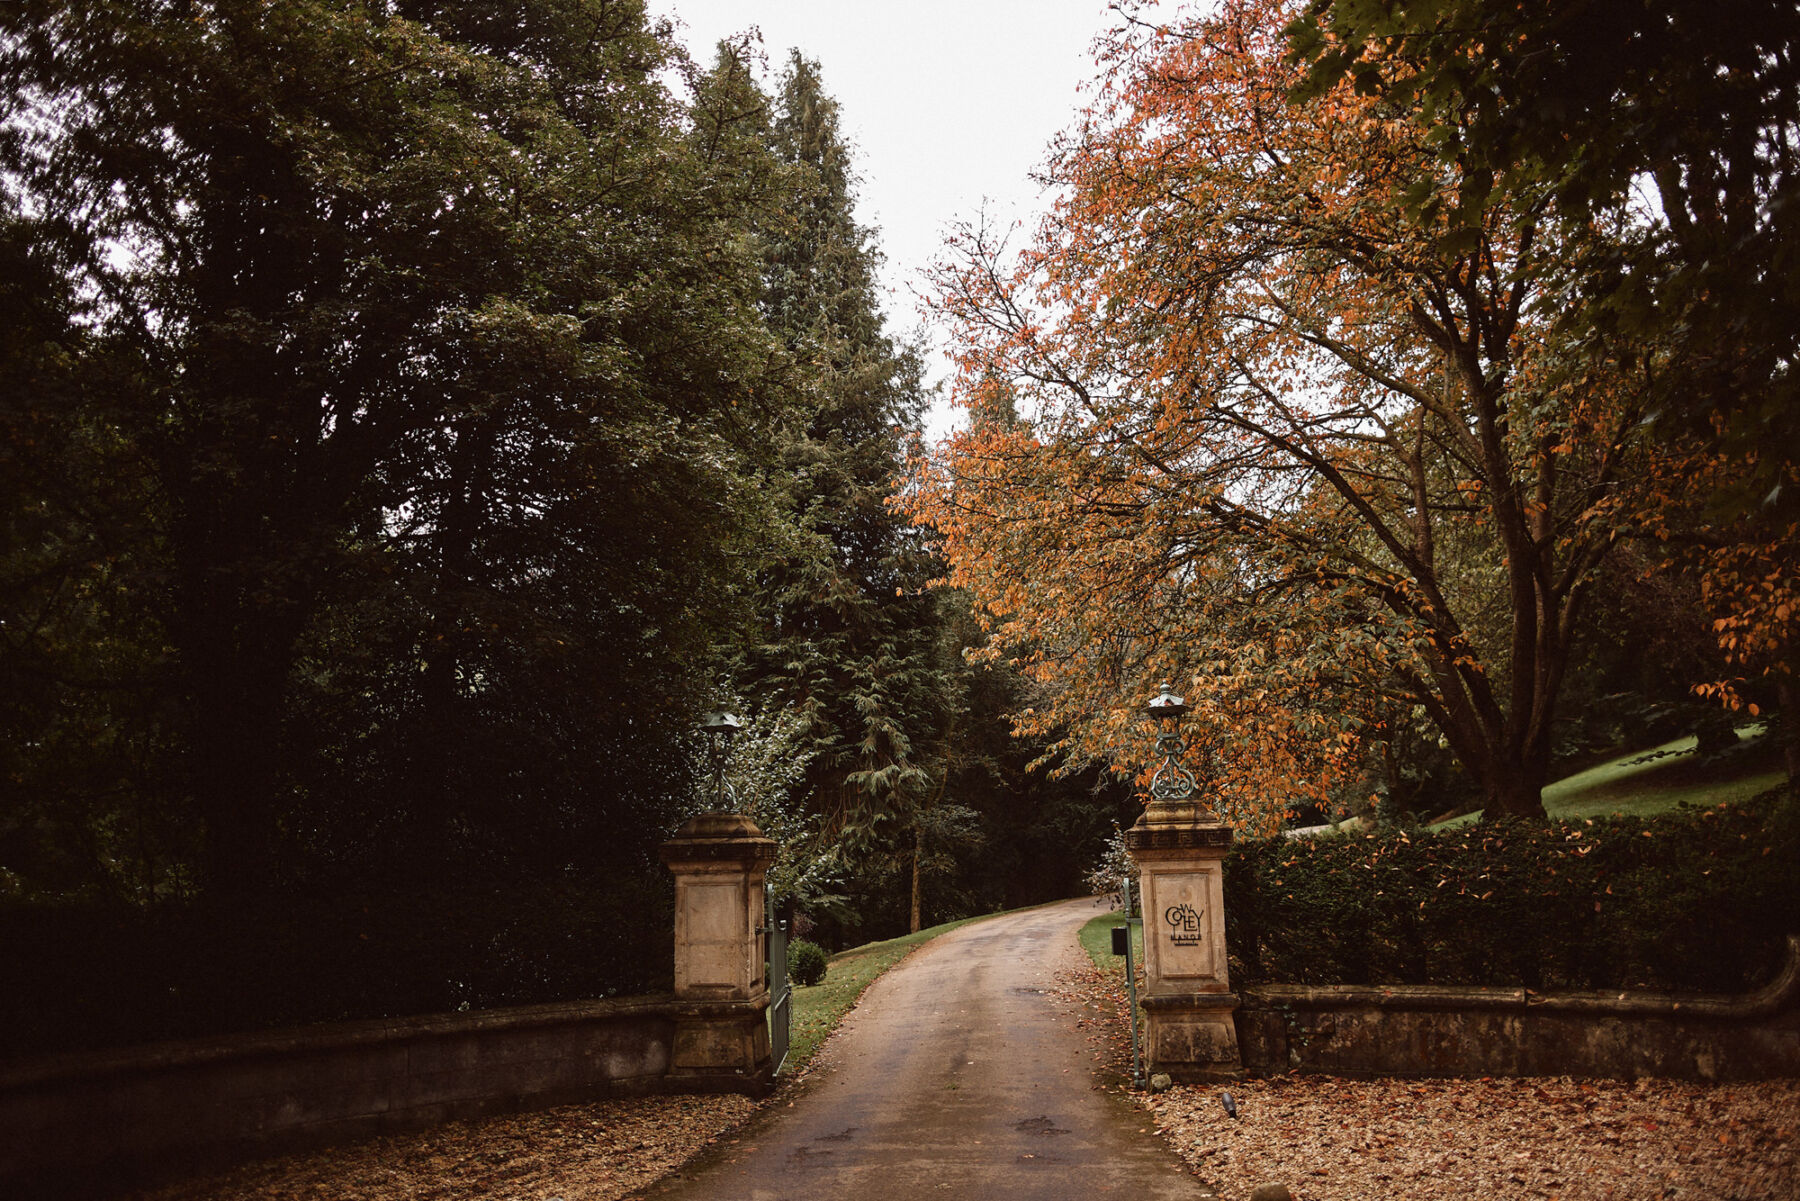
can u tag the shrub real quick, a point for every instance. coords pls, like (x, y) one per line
(1693, 900)
(82, 977)
(806, 962)
(1114, 867)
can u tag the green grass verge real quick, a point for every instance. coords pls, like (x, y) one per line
(820, 1007)
(1096, 940)
(1647, 782)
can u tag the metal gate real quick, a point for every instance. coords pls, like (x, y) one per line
(781, 993)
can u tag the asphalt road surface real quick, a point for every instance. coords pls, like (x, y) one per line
(957, 1076)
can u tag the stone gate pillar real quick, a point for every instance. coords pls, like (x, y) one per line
(722, 998)
(1179, 846)
(1188, 1002)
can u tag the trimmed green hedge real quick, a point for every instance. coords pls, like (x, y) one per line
(1693, 900)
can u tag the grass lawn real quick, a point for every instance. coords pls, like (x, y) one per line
(1653, 781)
(819, 1008)
(1096, 940)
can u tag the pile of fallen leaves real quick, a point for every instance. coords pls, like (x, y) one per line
(593, 1152)
(1550, 1138)
(1541, 1138)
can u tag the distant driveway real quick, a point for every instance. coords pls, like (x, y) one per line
(957, 1076)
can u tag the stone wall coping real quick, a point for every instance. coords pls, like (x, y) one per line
(1766, 1001)
(1189, 1000)
(330, 1036)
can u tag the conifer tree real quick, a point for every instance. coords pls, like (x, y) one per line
(851, 636)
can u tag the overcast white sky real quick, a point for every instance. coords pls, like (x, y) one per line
(949, 103)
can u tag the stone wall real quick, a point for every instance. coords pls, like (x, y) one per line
(106, 1117)
(1349, 1030)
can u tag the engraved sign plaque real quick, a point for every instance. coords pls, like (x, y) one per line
(1186, 917)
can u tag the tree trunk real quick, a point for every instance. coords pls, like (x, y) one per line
(1512, 797)
(235, 663)
(1788, 728)
(918, 854)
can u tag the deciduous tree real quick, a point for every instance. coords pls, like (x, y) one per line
(1242, 427)
(1673, 125)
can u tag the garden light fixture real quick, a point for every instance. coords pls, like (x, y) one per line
(1172, 781)
(720, 728)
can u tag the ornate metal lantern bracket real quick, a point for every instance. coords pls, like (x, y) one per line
(719, 729)
(1172, 781)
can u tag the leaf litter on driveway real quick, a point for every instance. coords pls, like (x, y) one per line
(1327, 1139)
(1547, 1139)
(594, 1152)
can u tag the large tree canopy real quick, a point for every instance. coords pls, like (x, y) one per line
(1674, 125)
(396, 398)
(409, 412)
(1239, 424)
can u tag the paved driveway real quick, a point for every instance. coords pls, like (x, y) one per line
(958, 1076)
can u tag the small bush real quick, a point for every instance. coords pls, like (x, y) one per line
(806, 962)
(1692, 900)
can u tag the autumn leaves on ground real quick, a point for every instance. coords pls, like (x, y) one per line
(1321, 1136)
(1369, 1140)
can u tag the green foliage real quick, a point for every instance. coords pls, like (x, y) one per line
(389, 435)
(1096, 939)
(386, 412)
(806, 962)
(1695, 900)
(84, 976)
(400, 410)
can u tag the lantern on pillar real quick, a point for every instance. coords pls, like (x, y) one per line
(1173, 790)
(720, 728)
(1172, 781)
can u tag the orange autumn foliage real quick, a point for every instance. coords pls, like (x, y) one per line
(1235, 423)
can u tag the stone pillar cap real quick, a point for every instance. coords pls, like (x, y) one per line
(719, 825)
(719, 838)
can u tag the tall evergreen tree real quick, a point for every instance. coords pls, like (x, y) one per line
(852, 636)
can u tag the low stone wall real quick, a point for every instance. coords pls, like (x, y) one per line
(1350, 1030)
(106, 1117)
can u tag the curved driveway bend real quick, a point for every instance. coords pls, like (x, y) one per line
(957, 1076)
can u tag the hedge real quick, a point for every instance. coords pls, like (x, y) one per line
(88, 976)
(1695, 900)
